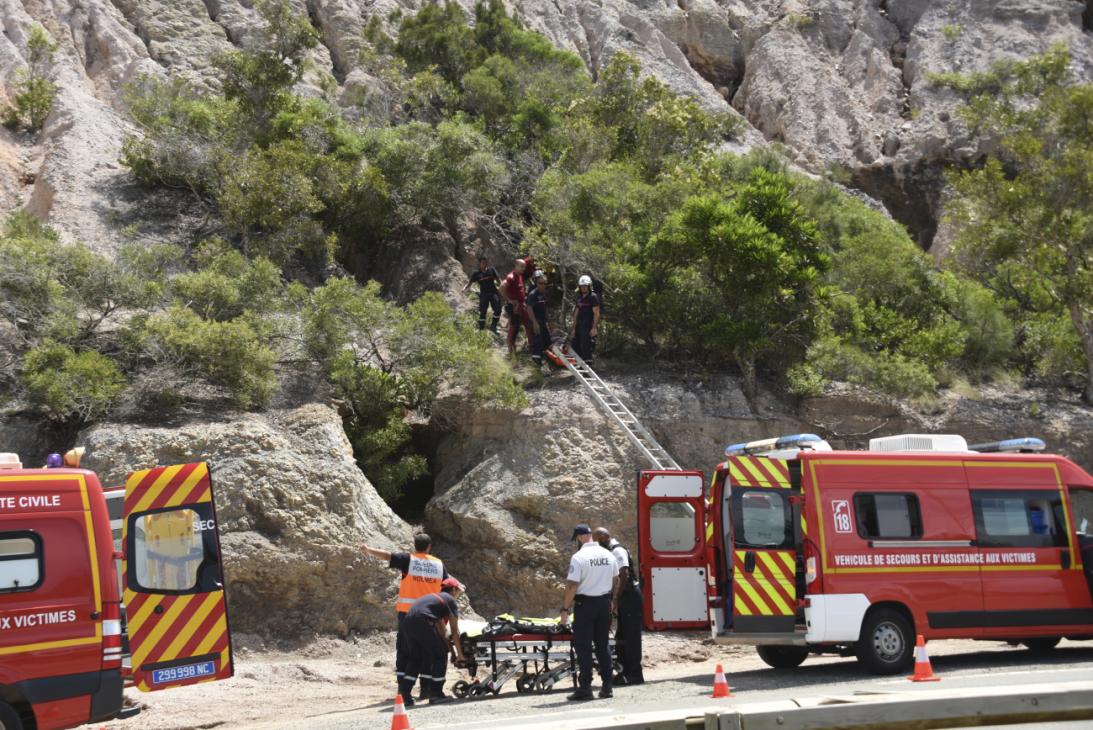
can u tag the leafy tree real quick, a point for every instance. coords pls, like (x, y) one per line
(260, 79)
(70, 385)
(438, 35)
(437, 174)
(388, 361)
(226, 285)
(34, 89)
(1031, 203)
(233, 354)
(747, 270)
(184, 136)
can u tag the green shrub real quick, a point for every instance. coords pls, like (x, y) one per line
(35, 91)
(232, 354)
(70, 385)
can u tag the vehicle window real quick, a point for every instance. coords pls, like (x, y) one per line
(1081, 505)
(20, 561)
(167, 550)
(763, 520)
(672, 527)
(1019, 519)
(888, 516)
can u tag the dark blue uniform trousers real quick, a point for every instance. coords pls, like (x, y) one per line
(591, 626)
(426, 657)
(628, 635)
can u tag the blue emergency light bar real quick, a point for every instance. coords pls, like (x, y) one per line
(1018, 445)
(772, 444)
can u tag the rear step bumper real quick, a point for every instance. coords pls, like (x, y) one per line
(728, 637)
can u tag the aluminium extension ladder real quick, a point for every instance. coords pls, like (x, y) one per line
(610, 404)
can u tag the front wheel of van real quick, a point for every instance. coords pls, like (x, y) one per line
(886, 645)
(783, 657)
(9, 718)
(1041, 646)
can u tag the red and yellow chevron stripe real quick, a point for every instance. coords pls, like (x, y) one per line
(165, 627)
(771, 589)
(759, 471)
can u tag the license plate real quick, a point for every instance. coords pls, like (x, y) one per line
(183, 672)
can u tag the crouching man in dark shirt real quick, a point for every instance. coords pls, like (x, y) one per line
(425, 632)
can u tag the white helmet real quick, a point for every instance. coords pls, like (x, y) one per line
(585, 280)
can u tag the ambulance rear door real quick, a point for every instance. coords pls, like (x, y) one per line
(765, 535)
(672, 549)
(174, 586)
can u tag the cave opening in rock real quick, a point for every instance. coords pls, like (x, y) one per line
(1087, 16)
(416, 493)
(724, 74)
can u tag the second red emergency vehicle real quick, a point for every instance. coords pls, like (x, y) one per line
(797, 548)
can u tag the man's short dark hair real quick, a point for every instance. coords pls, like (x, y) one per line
(483, 258)
(422, 542)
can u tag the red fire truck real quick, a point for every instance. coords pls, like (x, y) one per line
(61, 603)
(799, 549)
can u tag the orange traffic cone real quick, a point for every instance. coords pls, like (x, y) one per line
(923, 671)
(400, 720)
(720, 685)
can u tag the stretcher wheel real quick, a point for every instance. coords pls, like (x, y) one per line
(544, 684)
(477, 690)
(525, 683)
(459, 689)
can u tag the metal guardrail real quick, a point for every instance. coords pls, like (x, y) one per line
(910, 710)
(615, 409)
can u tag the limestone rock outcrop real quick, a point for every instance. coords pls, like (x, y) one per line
(292, 506)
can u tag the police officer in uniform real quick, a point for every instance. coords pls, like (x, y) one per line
(422, 574)
(628, 610)
(592, 586)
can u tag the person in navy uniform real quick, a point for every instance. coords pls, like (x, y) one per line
(628, 611)
(427, 636)
(488, 296)
(592, 586)
(586, 320)
(537, 304)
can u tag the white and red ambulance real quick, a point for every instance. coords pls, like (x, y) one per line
(61, 628)
(799, 549)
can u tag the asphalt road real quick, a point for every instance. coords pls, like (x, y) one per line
(960, 664)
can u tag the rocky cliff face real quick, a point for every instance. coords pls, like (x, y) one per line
(841, 83)
(292, 507)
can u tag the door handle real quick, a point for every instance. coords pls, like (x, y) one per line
(1064, 559)
(749, 562)
(158, 609)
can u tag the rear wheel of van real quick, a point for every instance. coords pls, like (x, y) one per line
(886, 645)
(9, 718)
(1041, 646)
(783, 657)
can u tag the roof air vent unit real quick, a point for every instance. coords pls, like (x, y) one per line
(919, 442)
(10, 461)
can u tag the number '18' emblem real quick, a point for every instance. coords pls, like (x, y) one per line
(840, 508)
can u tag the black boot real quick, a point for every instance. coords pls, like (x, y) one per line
(405, 687)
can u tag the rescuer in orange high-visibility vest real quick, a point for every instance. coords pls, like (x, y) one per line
(422, 574)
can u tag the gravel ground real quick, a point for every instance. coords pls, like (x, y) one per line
(328, 680)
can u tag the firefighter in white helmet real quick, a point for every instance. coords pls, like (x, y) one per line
(586, 319)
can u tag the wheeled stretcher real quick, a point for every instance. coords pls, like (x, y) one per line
(538, 661)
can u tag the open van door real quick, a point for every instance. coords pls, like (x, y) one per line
(765, 519)
(174, 587)
(672, 549)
